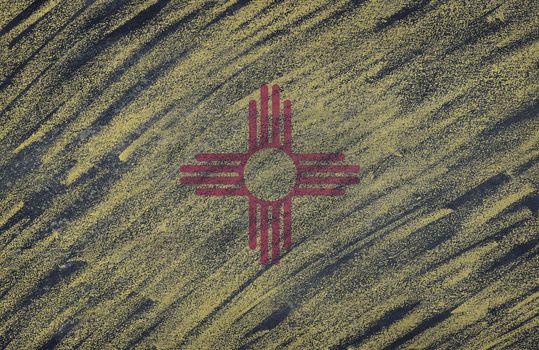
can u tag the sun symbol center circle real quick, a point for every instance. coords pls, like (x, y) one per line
(270, 174)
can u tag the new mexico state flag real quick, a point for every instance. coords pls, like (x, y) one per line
(269, 174)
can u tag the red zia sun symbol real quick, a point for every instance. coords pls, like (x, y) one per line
(286, 174)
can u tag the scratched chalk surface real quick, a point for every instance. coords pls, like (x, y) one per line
(101, 247)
